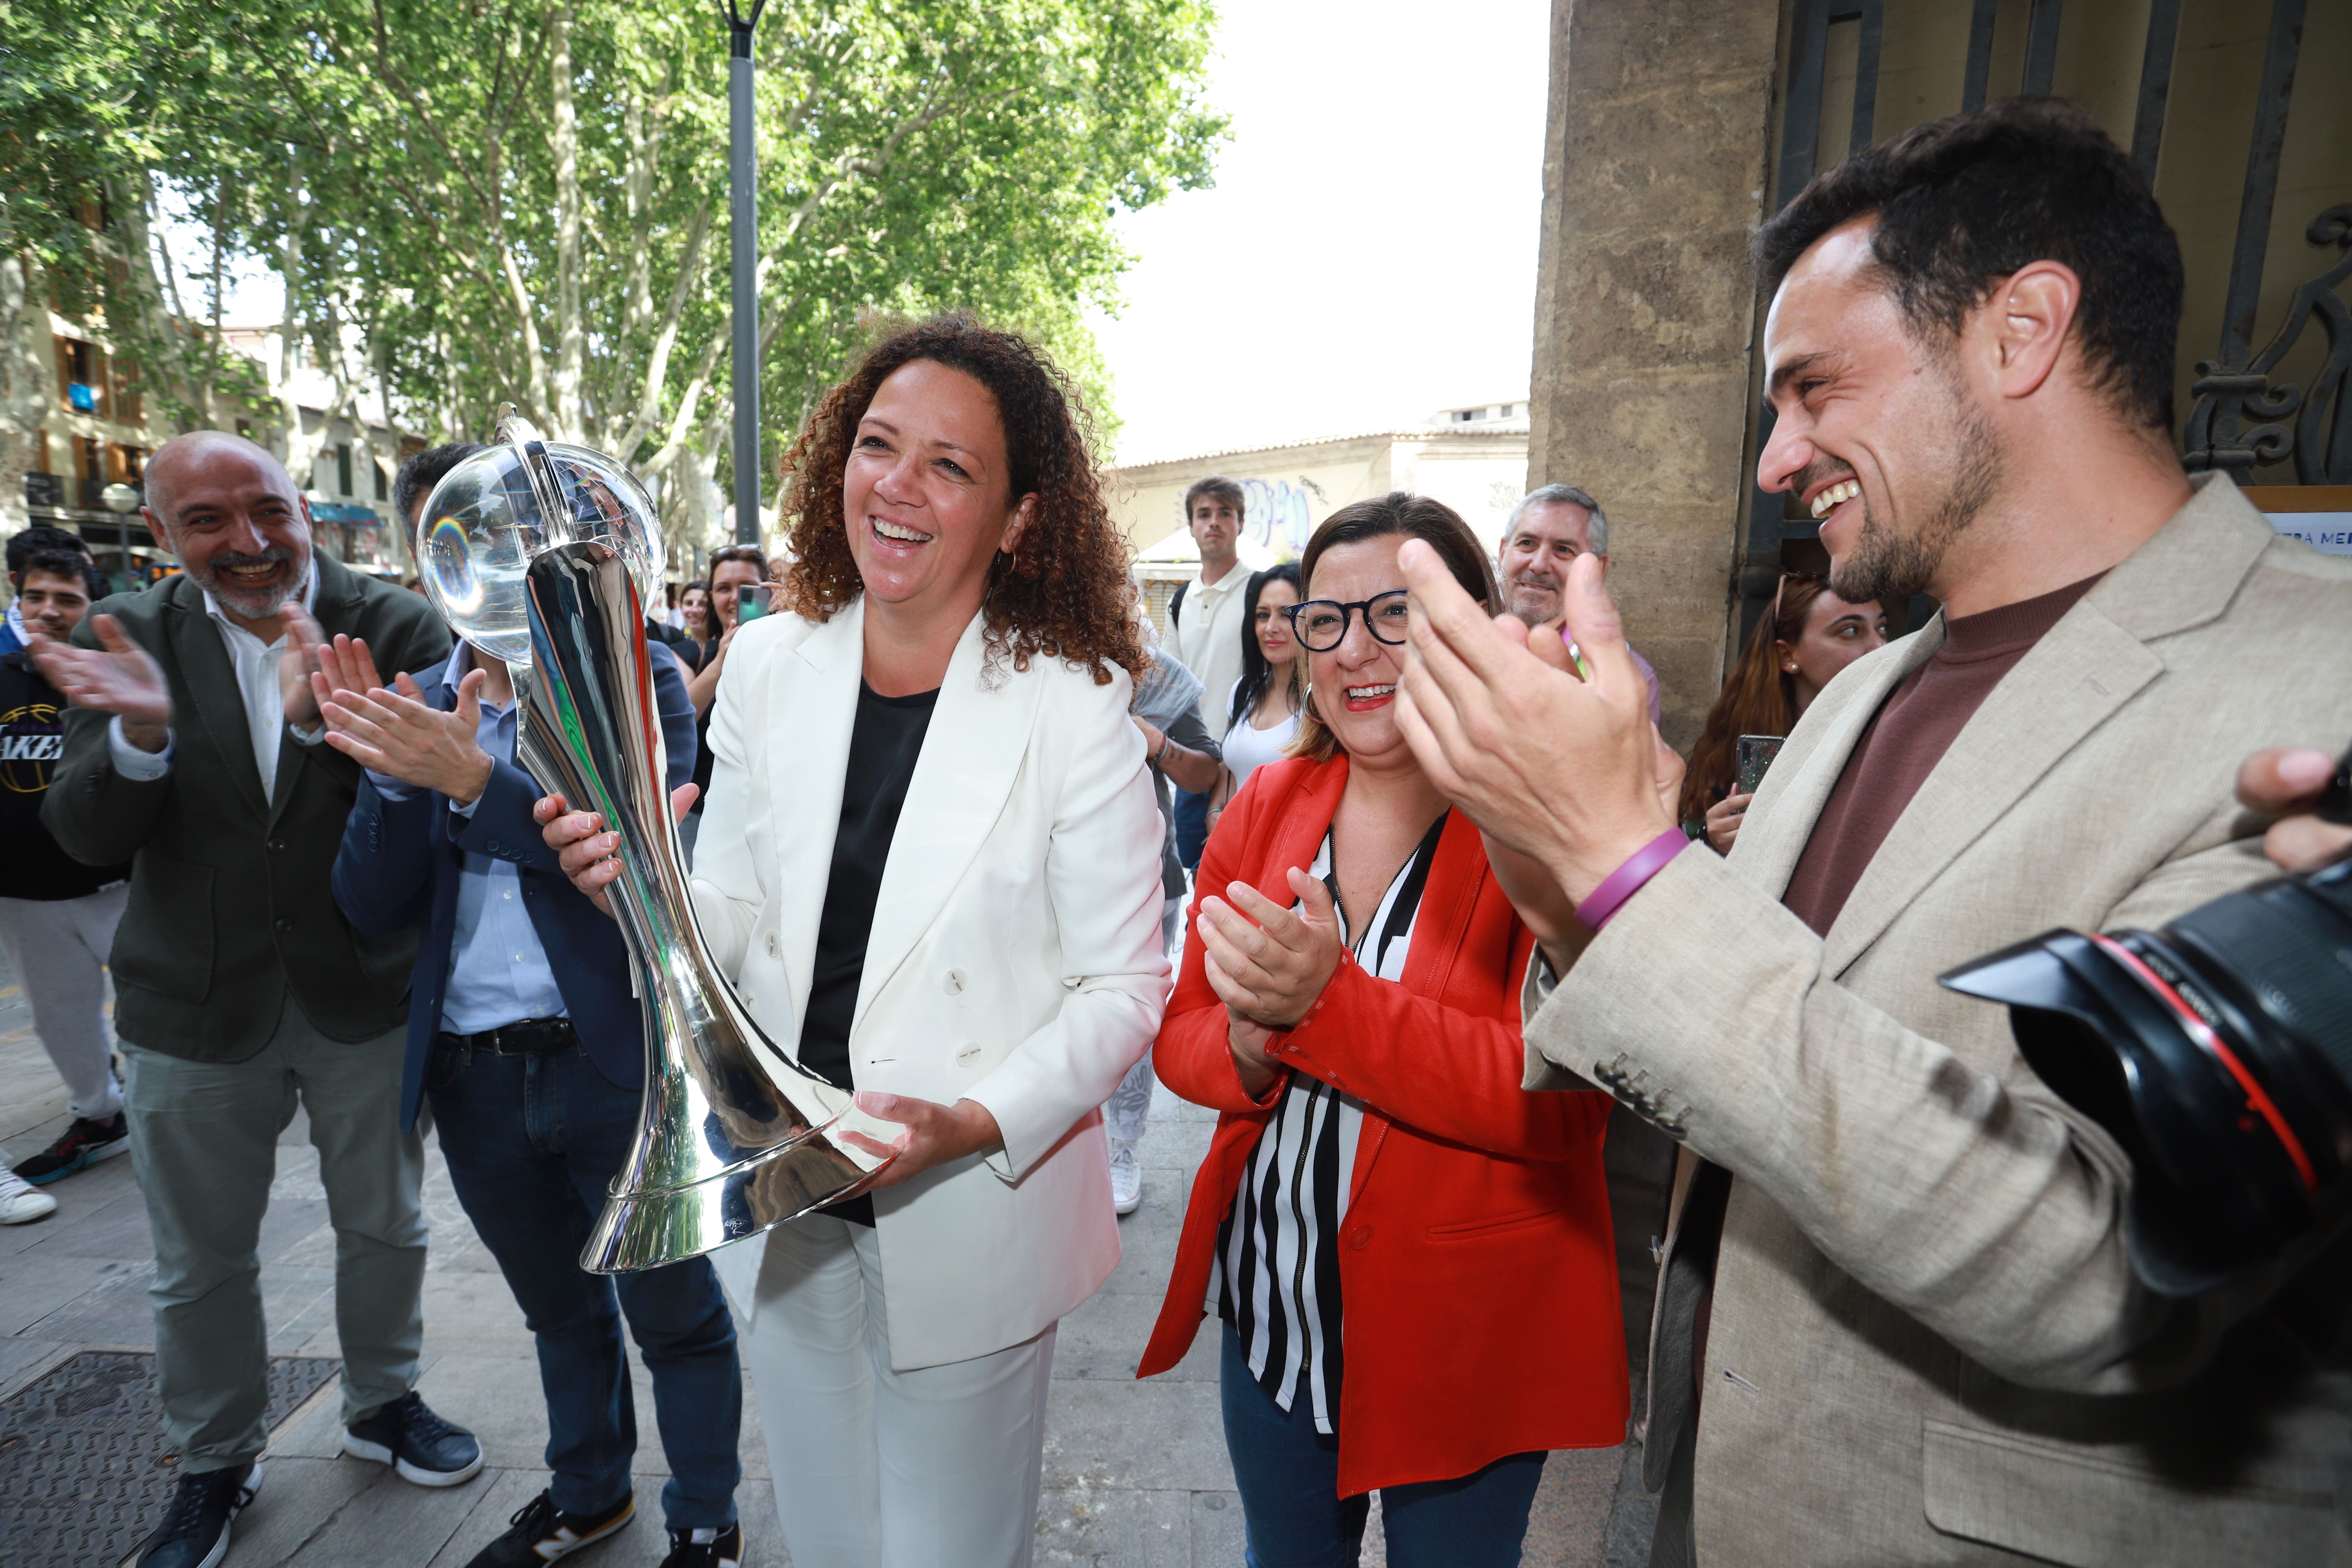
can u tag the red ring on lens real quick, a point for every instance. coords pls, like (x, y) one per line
(2203, 1034)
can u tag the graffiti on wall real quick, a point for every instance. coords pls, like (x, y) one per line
(1277, 514)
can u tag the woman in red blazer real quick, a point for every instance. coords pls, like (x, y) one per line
(1411, 1255)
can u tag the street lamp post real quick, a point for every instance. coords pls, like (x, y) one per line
(121, 501)
(743, 212)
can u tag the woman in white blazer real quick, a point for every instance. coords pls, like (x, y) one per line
(958, 917)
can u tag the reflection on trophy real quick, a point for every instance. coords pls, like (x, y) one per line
(544, 555)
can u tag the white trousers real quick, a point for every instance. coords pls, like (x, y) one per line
(58, 947)
(938, 1468)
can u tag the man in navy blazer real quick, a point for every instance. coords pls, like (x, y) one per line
(523, 1030)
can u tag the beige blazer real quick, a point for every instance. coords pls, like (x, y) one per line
(1015, 958)
(1927, 1345)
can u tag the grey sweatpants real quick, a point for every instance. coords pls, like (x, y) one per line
(58, 948)
(203, 1140)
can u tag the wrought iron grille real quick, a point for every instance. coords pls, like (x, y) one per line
(2243, 414)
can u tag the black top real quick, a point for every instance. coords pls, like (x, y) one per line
(32, 739)
(884, 745)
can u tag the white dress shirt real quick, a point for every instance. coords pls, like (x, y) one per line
(1208, 639)
(254, 664)
(498, 972)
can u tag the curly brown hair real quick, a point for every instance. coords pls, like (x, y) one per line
(1063, 593)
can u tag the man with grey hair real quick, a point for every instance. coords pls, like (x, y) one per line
(1551, 527)
(192, 749)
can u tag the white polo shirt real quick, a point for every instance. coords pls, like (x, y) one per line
(1208, 639)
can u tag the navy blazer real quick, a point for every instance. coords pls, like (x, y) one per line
(401, 861)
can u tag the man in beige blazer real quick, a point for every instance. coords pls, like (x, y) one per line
(1897, 1323)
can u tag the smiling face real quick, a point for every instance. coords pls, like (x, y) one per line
(1536, 558)
(235, 519)
(927, 495)
(694, 608)
(728, 581)
(1876, 433)
(1273, 626)
(1355, 684)
(1836, 633)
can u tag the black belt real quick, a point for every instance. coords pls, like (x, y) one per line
(528, 1038)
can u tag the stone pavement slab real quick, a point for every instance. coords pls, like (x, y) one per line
(1135, 1473)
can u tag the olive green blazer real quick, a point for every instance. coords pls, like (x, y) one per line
(230, 903)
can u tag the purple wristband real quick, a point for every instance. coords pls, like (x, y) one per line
(1627, 880)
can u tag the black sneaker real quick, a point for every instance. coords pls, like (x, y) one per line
(195, 1532)
(705, 1548)
(414, 1441)
(543, 1533)
(85, 1143)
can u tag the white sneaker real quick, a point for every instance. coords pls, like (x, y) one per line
(1126, 1177)
(21, 1201)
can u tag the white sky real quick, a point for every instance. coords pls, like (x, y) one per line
(1369, 253)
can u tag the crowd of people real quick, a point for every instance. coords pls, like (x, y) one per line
(1436, 896)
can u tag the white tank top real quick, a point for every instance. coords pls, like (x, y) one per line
(1248, 748)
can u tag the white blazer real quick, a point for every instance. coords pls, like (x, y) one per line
(1015, 958)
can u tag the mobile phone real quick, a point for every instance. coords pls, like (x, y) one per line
(751, 601)
(1755, 754)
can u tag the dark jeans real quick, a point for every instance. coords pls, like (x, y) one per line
(533, 1141)
(1288, 1475)
(1192, 827)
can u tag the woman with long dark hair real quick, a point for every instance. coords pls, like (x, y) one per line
(1378, 1180)
(931, 867)
(1811, 635)
(1262, 713)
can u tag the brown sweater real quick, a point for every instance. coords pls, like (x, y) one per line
(1908, 736)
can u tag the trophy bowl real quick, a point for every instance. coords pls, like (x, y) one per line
(544, 555)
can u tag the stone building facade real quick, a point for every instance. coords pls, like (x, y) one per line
(1677, 126)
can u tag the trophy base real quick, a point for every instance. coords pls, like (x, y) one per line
(648, 1229)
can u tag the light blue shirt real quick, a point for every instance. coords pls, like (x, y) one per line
(499, 974)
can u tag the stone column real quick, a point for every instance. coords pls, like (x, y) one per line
(1654, 174)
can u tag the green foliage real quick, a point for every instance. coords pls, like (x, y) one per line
(488, 228)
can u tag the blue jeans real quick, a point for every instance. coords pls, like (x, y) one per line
(1192, 827)
(533, 1141)
(1288, 1476)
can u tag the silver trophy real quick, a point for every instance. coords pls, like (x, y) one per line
(543, 554)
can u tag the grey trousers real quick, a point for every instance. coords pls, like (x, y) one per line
(204, 1141)
(59, 949)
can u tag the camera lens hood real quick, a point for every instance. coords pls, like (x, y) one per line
(2124, 1029)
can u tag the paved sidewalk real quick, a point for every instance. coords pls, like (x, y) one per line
(1135, 1473)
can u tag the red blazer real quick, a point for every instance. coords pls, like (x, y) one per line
(1478, 1276)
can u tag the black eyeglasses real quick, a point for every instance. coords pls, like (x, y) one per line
(1321, 624)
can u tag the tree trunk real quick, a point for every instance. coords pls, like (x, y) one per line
(28, 377)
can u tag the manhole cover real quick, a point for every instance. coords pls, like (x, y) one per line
(84, 1470)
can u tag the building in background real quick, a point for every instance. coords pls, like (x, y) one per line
(1473, 457)
(1674, 131)
(97, 435)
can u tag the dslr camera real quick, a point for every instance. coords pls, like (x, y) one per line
(2217, 1051)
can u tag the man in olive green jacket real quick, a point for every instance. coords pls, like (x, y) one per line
(192, 751)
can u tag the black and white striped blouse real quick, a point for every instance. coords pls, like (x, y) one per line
(1278, 1276)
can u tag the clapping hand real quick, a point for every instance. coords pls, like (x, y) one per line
(297, 664)
(394, 731)
(117, 677)
(1572, 773)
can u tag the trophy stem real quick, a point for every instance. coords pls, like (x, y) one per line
(732, 1134)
